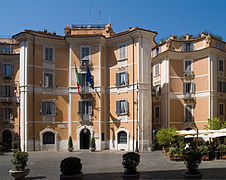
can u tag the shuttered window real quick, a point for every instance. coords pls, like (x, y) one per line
(48, 108)
(188, 47)
(122, 54)
(85, 56)
(85, 107)
(221, 65)
(221, 109)
(6, 91)
(188, 88)
(121, 79)
(7, 114)
(188, 113)
(157, 114)
(48, 80)
(6, 69)
(121, 107)
(48, 54)
(157, 70)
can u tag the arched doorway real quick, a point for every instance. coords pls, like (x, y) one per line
(84, 139)
(7, 138)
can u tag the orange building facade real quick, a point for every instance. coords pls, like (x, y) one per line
(139, 86)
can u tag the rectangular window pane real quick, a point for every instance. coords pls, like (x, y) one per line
(221, 65)
(8, 70)
(188, 113)
(48, 108)
(221, 109)
(85, 53)
(157, 112)
(187, 66)
(48, 80)
(156, 69)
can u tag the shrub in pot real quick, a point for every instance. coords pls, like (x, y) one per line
(20, 162)
(71, 168)
(192, 159)
(204, 150)
(70, 144)
(15, 146)
(130, 162)
(222, 149)
(92, 144)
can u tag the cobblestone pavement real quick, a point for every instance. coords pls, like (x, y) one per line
(107, 165)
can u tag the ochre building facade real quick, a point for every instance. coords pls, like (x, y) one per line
(139, 87)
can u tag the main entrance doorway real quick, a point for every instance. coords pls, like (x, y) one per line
(7, 138)
(84, 139)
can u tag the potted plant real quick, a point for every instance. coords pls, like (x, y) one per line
(92, 145)
(1, 150)
(130, 162)
(192, 159)
(222, 150)
(20, 162)
(70, 144)
(15, 146)
(204, 150)
(71, 169)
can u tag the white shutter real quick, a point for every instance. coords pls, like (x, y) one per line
(90, 107)
(193, 87)
(117, 107)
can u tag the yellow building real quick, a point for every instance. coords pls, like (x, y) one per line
(189, 81)
(9, 87)
(117, 112)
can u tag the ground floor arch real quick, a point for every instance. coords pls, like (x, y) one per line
(122, 139)
(85, 139)
(48, 139)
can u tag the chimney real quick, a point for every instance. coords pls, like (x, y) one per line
(203, 34)
(187, 36)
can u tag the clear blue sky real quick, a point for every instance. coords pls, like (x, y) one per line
(164, 16)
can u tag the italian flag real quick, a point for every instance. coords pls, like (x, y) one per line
(77, 79)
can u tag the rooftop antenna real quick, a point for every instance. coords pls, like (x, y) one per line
(109, 20)
(99, 13)
(90, 8)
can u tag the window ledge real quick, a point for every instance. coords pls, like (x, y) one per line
(122, 114)
(123, 59)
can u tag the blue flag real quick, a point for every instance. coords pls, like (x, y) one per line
(89, 78)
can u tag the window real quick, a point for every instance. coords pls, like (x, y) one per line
(122, 137)
(157, 114)
(48, 80)
(48, 54)
(83, 85)
(48, 108)
(188, 47)
(85, 107)
(48, 138)
(121, 79)
(7, 70)
(122, 52)
(157, 51)
(85, 56)
(221, 65)
(187, 67)
(121, 107)
(7, 114)
(221, 86)
(188, 87)
(5, 49)
(157, 70)
(188, 113)
(7, 91)
(221, 108)
(219, 45)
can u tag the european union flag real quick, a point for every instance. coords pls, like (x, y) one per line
(89, 78)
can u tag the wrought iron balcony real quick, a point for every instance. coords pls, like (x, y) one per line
(84, 89)
(188, 75)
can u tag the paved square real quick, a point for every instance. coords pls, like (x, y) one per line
(107, 165)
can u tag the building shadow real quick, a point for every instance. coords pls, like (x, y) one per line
(210, 173)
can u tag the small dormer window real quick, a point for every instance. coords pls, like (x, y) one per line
(188, 46)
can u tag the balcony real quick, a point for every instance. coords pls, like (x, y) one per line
(189, 97)
(84, 90)
(6, 77)
(6, 99)
(189, 75)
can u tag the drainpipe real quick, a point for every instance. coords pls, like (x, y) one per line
(133, 94)
(33, 94)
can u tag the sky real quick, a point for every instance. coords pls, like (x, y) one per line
(167, 17)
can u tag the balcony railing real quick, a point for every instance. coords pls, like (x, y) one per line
(189, 75)
(6, 99)
(188, 96)
(84, 89)
(84, 117)
(188, 119)
(7, 77)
